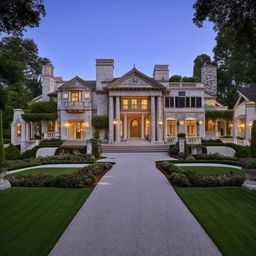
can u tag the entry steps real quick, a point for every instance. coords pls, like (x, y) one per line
(110, 148)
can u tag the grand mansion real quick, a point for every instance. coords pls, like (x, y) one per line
(138, 107)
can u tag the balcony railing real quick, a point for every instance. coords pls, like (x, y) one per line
(134, 107)
(75, 105)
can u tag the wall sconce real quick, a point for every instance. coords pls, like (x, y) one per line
(114, 122)
(86, 124)
(241, 125)
(58, 125)
(201, 121)
(250, 124)
(230, 125)
(181, 122)
(160, 123)
(67, 124)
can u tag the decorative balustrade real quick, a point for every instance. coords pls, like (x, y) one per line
(53, 135)
(172, 140)
(75, 105)
(193, 140)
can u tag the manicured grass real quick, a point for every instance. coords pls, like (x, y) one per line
(33, 219)
(53, 171)
(227, 214)
(210, 169)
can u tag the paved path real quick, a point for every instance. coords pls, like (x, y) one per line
(134, 211)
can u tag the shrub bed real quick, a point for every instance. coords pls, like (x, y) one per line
(59, 159)
(86, 176)
(214, 156)
(179, 177)
(237, 163)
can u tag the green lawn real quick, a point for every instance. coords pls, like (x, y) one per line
(33, 219)
(227, 214)
(210, 169)
(53, 171)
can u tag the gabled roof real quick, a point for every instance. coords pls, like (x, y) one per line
(249, 93)
(151, 83)
(80, 81)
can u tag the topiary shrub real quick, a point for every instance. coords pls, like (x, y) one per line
(180, 179)
(95, 147)
(12, 153)
(100, 122)
(253, 140)
(248, 163)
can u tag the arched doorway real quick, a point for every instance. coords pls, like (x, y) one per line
(135, 128)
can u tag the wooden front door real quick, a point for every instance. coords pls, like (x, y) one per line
(135, 128)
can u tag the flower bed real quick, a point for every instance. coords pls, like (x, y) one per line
(86, 176)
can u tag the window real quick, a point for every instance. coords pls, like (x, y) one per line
(18, 129)
(125, 104)
(211, 103)
(50, 126)
(169, 102)
(65, 95)
(191, 127)
(134, 103)
(74, 96)
(86, 95)
(198, 102)
(182, 93)
(144, 104)
(210, 125)
(193, 102)
(180, 102)
(187, 102)
(135, 122)
(171, 127)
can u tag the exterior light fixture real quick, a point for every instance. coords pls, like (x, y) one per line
(86, 124)
(181, 122)
(250, 124)
(67, 124)
(114, 122)
(201, 121)
(160, 123)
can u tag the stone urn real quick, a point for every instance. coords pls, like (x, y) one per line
(4, 184)
(250, 179)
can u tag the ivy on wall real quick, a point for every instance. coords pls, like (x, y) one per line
(227, 115)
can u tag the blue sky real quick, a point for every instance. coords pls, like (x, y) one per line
(145, 32)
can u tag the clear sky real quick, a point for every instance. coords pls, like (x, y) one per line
(145, 32)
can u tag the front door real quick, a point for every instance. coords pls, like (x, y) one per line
(135, 128)
(75, 130)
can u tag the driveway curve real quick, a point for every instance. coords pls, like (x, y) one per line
(134, 211)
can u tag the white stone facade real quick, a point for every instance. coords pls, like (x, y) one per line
(139, 107)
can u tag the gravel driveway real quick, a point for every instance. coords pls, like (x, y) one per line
(134, 211)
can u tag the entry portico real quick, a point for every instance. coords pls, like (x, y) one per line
(135, 108)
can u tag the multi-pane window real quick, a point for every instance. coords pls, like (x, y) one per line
(191, 127)
(171, 127)
(18, 129)
(74, 96)
(182, 102)
(134, 103)
(86, 95)
(50, 126)
(144, 104)
(125, 103)
(65, 95)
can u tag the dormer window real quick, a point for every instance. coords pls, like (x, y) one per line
(18, 129)
(65, 95)
(86, 95)
(74, 96)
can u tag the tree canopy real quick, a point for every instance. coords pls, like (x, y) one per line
(199, 62)
(15, 15)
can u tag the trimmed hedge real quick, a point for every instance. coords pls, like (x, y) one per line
(237, 163)
(12, 153)
(214, 156)
(78, 179)
(100, 122)
(227, 115)
(50, 143)
(249, 163)
(43, 107)
(36, 117)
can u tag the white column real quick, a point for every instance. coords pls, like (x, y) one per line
(118, 119)
(111, 113)
(125, 126)
(152, 119)
(142, 126)
(159, 129)
(235, 132)
(165, 129)
(27, 131)
(23, 132)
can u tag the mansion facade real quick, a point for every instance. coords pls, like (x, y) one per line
(138, 107)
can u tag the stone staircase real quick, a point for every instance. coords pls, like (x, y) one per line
(110, 148)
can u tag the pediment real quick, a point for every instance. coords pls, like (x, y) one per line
(135, 80)
(75, 83)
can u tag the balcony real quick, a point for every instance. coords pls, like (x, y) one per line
(135, 108)
(75, 105)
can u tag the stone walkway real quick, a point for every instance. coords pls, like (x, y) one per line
(134, 211)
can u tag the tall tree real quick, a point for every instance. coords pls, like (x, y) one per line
(199, 61)
(15, 15)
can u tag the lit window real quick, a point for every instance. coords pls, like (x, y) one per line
(65, 95)
(86, 95)
(135, 122)
(134, 103)
(50, 126)
(212, 103)
(171, 127)
(191, 127)
(18, 129)
(211, 125)
(74, 96)
(144, 104)
(125, 103)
